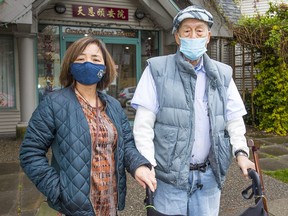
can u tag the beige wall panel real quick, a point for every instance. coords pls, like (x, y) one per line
(8, 121)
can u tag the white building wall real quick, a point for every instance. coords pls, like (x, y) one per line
(252, 7)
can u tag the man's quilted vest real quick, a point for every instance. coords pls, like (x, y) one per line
(175, 81)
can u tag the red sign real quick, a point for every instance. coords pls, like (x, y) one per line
(93, 12)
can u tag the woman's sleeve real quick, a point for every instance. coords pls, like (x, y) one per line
(38, 138)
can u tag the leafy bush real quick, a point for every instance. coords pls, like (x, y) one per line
(268, 35)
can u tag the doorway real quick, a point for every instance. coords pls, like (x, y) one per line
(130, 48)
(124, 53)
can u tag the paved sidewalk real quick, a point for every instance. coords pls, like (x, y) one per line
(18, 196)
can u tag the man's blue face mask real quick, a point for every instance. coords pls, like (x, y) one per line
(194, 48)
(87, 73)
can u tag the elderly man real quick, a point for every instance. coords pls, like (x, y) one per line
(189, 121)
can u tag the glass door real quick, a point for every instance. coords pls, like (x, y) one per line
(124, 53)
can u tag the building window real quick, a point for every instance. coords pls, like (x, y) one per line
(48, 60)
(182, 3)
(150, 46)
(7, 74)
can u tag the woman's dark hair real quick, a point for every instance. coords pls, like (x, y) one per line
(74, 50)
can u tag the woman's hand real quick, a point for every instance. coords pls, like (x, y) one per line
(145, 176)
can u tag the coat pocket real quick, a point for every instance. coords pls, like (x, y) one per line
(224, 152)
(165, 141)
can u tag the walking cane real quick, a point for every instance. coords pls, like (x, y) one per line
(258, 170)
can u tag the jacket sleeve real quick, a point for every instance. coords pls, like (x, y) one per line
(143, 132)
(236, 129)
(133, 159)
(38, 138)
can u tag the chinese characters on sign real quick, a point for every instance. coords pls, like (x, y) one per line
(94, 12)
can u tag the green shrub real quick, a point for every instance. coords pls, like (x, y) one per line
(268, 36)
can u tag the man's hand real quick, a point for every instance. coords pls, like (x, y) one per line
(145, 176)
(244, 163)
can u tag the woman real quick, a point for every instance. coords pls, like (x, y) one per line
(90, 138)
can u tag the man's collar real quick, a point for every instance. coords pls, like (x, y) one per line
(199, 65)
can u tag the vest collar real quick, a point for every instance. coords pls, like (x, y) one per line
(186, 67)
(183, 65)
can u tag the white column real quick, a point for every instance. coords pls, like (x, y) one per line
(27, 80)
